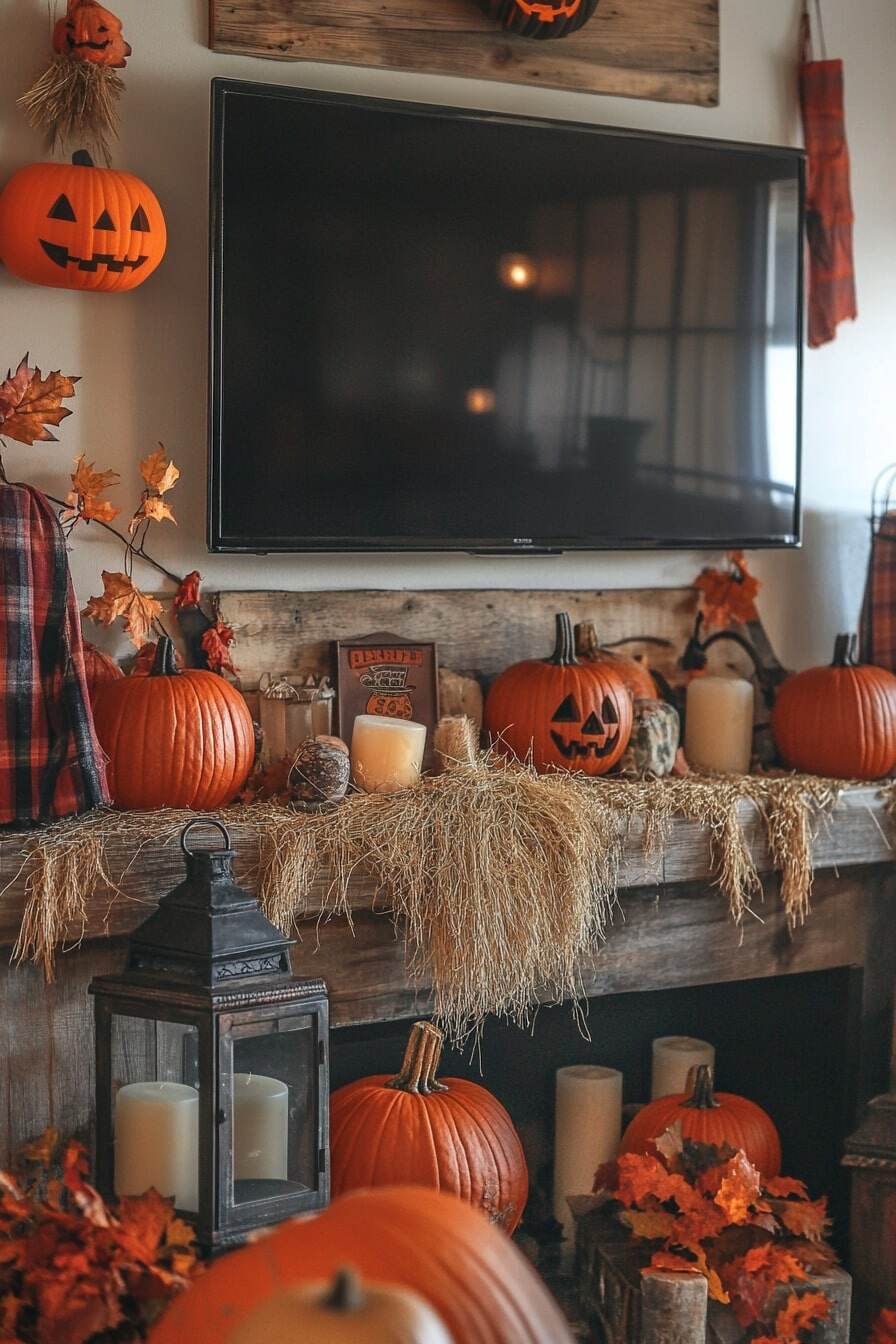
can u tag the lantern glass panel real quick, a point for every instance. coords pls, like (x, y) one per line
(273, 1075)
(155, 1105)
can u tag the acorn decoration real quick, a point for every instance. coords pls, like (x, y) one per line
(321, 772)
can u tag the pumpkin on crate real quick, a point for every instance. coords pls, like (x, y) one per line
(709, 1117)
(345, 1311)
(75, 226)
(840, 720)
(633, 670)
(568, 714)
(174, 739)
(480, 1286)
(417, 1129)
(541, 18)
(99, 667)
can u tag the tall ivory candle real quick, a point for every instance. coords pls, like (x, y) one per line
(157, 1141)
(718, 732)
(587, 1130)
(673, 1059)
(260, 1128)
(387, 754)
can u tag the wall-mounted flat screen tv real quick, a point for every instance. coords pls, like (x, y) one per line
(440, 329)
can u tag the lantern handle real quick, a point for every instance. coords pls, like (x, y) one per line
(204, 821)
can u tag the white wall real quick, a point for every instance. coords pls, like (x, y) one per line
(143, 355)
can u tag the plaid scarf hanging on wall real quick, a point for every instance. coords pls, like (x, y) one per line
(50, 762)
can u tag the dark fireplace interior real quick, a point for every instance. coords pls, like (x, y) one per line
(797, 1045)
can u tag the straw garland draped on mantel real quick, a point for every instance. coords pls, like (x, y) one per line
(501, 879)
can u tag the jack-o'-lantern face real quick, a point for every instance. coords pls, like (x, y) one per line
(577, 738)
(541, 18)
(80, 227)
(91, 33)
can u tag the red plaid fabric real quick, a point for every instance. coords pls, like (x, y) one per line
(829, 218)
(878, 620)
(50, 762)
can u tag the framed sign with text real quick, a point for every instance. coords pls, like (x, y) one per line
(386, 675)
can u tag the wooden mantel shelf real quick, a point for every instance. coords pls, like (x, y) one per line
(685, 939)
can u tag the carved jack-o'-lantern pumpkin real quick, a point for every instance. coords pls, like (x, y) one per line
(88, 32)
(541, 18)
(74, 226)
(568, 715)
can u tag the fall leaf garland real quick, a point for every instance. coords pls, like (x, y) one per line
(703, 1209)
(72, 1268)
(728, 596)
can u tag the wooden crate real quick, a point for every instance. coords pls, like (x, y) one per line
(631, 1308)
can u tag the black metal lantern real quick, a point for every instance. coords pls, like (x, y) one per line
(211, 1061)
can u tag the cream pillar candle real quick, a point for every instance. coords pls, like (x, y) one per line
(157, 1141)
(718, 732)
(587, 1130)
(673, 1059)
(260, 1128)
(387, 754)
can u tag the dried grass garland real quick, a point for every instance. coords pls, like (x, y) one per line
(75, 102)
(502, 879)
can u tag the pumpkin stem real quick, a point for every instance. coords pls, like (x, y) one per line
(345, 1293)
(164, 665)
(564, 654)
(586, 641)
(702, 1097)
(81, 159)
(844, 651)
(421, 1061)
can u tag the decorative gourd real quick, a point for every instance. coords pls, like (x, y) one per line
(174, 739)
(633, 671)
(472, 1275)
(75, 226)
(839, 720)
(415, 1129)
(653, 746)
(709, 1117)
(342, 1312)
(541, 18)
(99, 667)
(569, 715)
(88, 32)
(321, 771)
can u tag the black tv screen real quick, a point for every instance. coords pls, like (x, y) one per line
(444, 329)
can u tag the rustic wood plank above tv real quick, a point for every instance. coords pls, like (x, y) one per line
(660, 49)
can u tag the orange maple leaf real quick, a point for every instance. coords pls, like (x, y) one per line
(804, 1218)
(154, 508)
(783, 1186)
(29, 403)
(669, 1261)
(728, 596)
(216, 644)
(158, 471)
(801, 1312)
(739, 1189)
(187, 594)
(652, 1225)
(122, 598)
(84, 498)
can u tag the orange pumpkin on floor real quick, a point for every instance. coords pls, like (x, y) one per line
(174, 739)
(570, 715)
(709, 1117)
(474, 1278)
(416, 1129)
(838, 721)
(74, 226)
(98, 668)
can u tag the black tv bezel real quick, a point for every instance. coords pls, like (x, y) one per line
(221, 89)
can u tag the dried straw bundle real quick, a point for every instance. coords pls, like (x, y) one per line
(75, 102)
(502, 879)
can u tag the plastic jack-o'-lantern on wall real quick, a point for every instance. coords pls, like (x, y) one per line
(541, 18)
(88, 32)
(75, 226)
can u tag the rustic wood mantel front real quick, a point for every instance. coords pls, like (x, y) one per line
(672, 929)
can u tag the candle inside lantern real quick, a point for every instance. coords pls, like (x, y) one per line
(260, 1128)
(673, 1059)
(387, 754)
(587, 1130)
(157, 1141)
(718, 731)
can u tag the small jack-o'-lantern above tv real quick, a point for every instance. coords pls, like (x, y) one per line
(541, 18)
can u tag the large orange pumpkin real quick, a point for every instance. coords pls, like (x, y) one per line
(415, 1129)
(478, 1283)
(633, 671)
(99, 667)
(88, 32)
(74, 226)
(569, 715)
(839, 720)
(709, 1117)
(174, 739)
